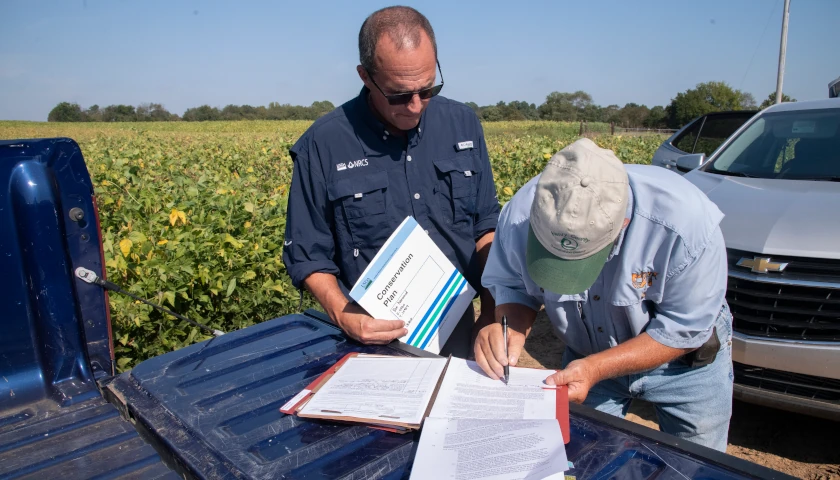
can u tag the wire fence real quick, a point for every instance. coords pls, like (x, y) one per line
(598, 128)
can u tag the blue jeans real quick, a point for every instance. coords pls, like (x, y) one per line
(691, 403)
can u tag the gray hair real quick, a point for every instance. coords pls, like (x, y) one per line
(402, 24)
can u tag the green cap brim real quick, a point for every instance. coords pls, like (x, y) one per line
(566, 277)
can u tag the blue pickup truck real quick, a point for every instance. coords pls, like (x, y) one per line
(210, 410)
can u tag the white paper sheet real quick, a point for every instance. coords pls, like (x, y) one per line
(489, 450)
(394, 389)
(466, 392)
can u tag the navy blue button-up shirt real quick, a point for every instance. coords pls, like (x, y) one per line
(354, 183)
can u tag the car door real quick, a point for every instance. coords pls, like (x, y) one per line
(703, 135)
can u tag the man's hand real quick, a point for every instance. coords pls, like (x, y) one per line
(579, 376)
(490, 349)
(639, 354)
(366, 329)
(489, 346)
(485, 318)
(349, 316)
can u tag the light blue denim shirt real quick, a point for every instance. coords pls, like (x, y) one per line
(666, 275)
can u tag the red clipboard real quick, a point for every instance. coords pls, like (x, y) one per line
(563, 412)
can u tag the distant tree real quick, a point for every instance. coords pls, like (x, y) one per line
(321, 108)
(611, 114)
(474, 106)
(592, 113)
(564, 106)
(633, 115)
(202, 114)
(523, 110)
(157, 113)
(656, 118)
(747, 101)
(771, 100)
(704, 98)
(491, 113)
(119, 113)
(92, 114)
(66, 112)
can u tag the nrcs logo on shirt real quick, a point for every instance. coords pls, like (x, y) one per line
(354, 164)
(643, 279)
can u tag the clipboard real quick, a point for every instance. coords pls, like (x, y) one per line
(296, 403)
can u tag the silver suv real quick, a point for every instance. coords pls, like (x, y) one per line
(704, 134)
(777, 180)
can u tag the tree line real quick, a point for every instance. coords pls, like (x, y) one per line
(558, 106)
(155, 112)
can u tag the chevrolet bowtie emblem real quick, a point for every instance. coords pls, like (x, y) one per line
(761, 264)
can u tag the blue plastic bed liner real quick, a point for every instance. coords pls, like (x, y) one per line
(215, 406)
(88, 439)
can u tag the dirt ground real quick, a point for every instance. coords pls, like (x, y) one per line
(799, 445)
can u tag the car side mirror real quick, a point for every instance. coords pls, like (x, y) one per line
(686, 163)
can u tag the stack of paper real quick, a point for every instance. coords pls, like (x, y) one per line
(474, 427)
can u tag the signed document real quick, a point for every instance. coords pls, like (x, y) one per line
(466, 392)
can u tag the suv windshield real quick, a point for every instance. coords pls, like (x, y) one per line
(802, 145)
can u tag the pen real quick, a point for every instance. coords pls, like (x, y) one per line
(507, 357)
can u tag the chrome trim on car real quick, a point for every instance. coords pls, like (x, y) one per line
(745, 337)
(763, 278)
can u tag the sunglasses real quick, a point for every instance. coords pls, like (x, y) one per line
(405, 98)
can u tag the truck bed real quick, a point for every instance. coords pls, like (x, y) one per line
(215, 406)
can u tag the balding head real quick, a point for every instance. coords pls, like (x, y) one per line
(404, 26)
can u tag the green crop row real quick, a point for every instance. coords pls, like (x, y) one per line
(193, 214)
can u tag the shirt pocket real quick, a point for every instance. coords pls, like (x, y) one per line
(457, 188)
(361, 201)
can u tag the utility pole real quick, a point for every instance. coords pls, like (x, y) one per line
(782, 50)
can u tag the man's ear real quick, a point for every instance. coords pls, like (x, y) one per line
(363, 74)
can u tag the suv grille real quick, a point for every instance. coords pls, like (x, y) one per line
(806, 386)
(786, 310)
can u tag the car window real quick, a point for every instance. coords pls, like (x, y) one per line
(685, 141)
(791, 145)
(716, 129)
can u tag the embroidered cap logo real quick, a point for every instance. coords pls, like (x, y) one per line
(568, 244)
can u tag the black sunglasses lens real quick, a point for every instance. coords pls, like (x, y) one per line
(430, 92)
(404, 98)
(400, 99)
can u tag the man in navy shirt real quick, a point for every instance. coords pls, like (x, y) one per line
(396, 150)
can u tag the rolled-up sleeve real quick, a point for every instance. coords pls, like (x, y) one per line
(503, 274)
(692, 298)
(308, 245)
(487, 203)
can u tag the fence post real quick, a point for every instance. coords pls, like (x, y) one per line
(580, 132)
(612, 128)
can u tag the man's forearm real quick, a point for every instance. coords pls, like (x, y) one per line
(324, 287)
(488, 304)
(636, 355)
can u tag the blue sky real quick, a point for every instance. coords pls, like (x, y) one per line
(187, 53)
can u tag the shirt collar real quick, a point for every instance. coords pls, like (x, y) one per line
(367, 115)
(628, 214)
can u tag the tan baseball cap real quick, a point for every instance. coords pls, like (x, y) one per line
(578, 212)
